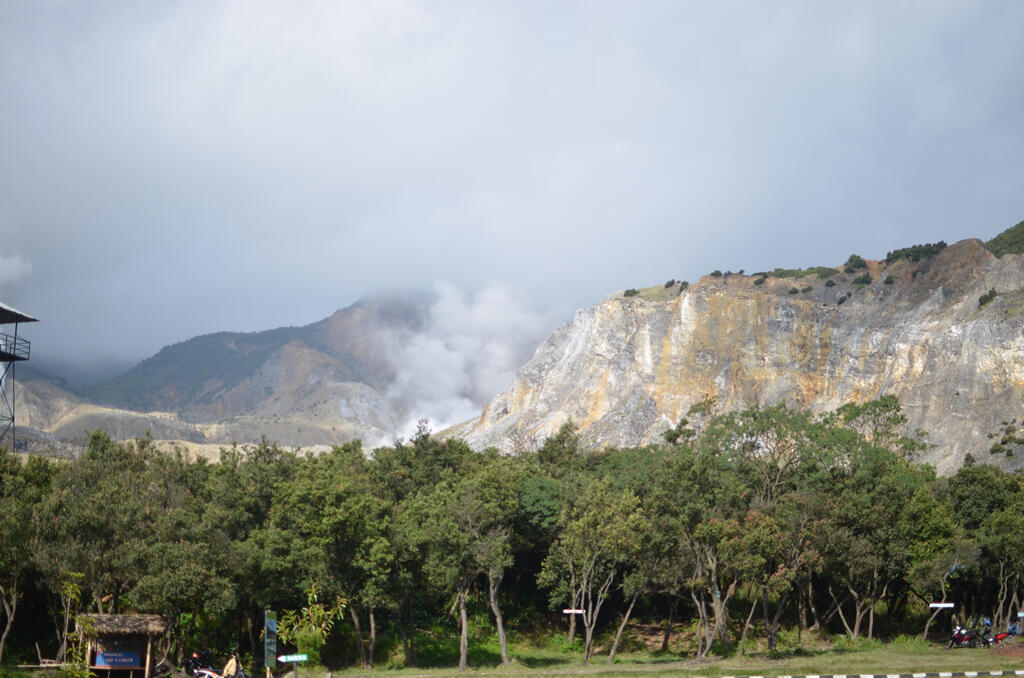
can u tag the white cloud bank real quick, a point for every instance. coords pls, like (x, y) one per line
(468, 352)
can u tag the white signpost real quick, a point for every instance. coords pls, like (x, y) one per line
(572, 610)
(294, 659)
(942, 606)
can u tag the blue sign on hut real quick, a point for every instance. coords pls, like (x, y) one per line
(121, 645)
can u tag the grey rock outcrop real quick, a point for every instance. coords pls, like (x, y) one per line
(629, 368)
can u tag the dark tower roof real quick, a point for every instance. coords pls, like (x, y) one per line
(10, 315)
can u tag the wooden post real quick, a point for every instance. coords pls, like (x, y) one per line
(149, 647)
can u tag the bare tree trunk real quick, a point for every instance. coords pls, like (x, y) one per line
(574, 603)
(373, 636)
(493, 582)
(927, 624)
(1001, 597)
(668, 624)
(871, 610)
(356, 626)
(63, 649)
(703, 630)
(463, 631)
(592, 608)
(746, 626)
(10, 600)
(408, 630)
(801, 615)
(839, 609)
(772, 623)
(622, 625)
(720, 606)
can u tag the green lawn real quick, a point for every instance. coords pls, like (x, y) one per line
(901, 656)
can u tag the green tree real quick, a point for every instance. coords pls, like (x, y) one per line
(308, 627)
(602, 528)
(334, 530)
(22, 486)
(1001, 538)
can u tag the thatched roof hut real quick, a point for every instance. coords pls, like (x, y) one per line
(121, 642)
(127, 624)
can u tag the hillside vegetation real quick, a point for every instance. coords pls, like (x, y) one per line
(1010, 241)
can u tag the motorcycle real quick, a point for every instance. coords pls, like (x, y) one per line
(964, 637)
(200, 665)
(991, 640)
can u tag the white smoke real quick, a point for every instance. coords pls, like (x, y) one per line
(13, 268)
(468, 352)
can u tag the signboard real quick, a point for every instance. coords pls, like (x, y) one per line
(941, 605)
(285, 658)
(572, 611)
(106, 660)
(269, 637)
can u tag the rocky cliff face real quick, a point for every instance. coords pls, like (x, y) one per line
(630, 367)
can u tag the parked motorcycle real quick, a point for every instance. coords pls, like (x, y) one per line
(990, 639)
(964, 637)
(200, 665)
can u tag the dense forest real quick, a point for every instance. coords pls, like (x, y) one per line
(734, 529)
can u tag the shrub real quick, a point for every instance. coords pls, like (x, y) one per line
(830, 283)
(842, 300)
(863, 280)
(806, 289)
(793, 290)
(823, 272)
(987, 297)
(916, 252)
(631, 292)
(854, 262)
(683, 285)
(760, 281)
(997, 448)
(670, 283)
(888, 280)
(716, 273)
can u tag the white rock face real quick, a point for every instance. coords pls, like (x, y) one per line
(628, 368)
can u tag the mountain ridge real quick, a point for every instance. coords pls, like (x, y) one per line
(628, 369)
(925, 323)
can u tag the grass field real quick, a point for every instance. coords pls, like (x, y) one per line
(904, 655)
(901, 656)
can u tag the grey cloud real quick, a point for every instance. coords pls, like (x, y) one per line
(178, 168)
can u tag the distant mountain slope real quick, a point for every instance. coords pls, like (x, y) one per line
(928, 331)
(194, 371)
(230, 373)
(320, 384)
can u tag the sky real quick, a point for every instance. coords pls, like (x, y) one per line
(170, 169)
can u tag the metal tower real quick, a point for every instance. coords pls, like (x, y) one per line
(13, 349)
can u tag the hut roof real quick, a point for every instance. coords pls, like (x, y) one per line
(127, 624)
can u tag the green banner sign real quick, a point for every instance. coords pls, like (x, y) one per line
(269, 637)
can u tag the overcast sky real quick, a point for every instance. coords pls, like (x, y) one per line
(169, 169)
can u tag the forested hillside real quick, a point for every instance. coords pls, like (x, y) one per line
(734, 530)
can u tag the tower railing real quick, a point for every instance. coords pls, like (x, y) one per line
(13, 347)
